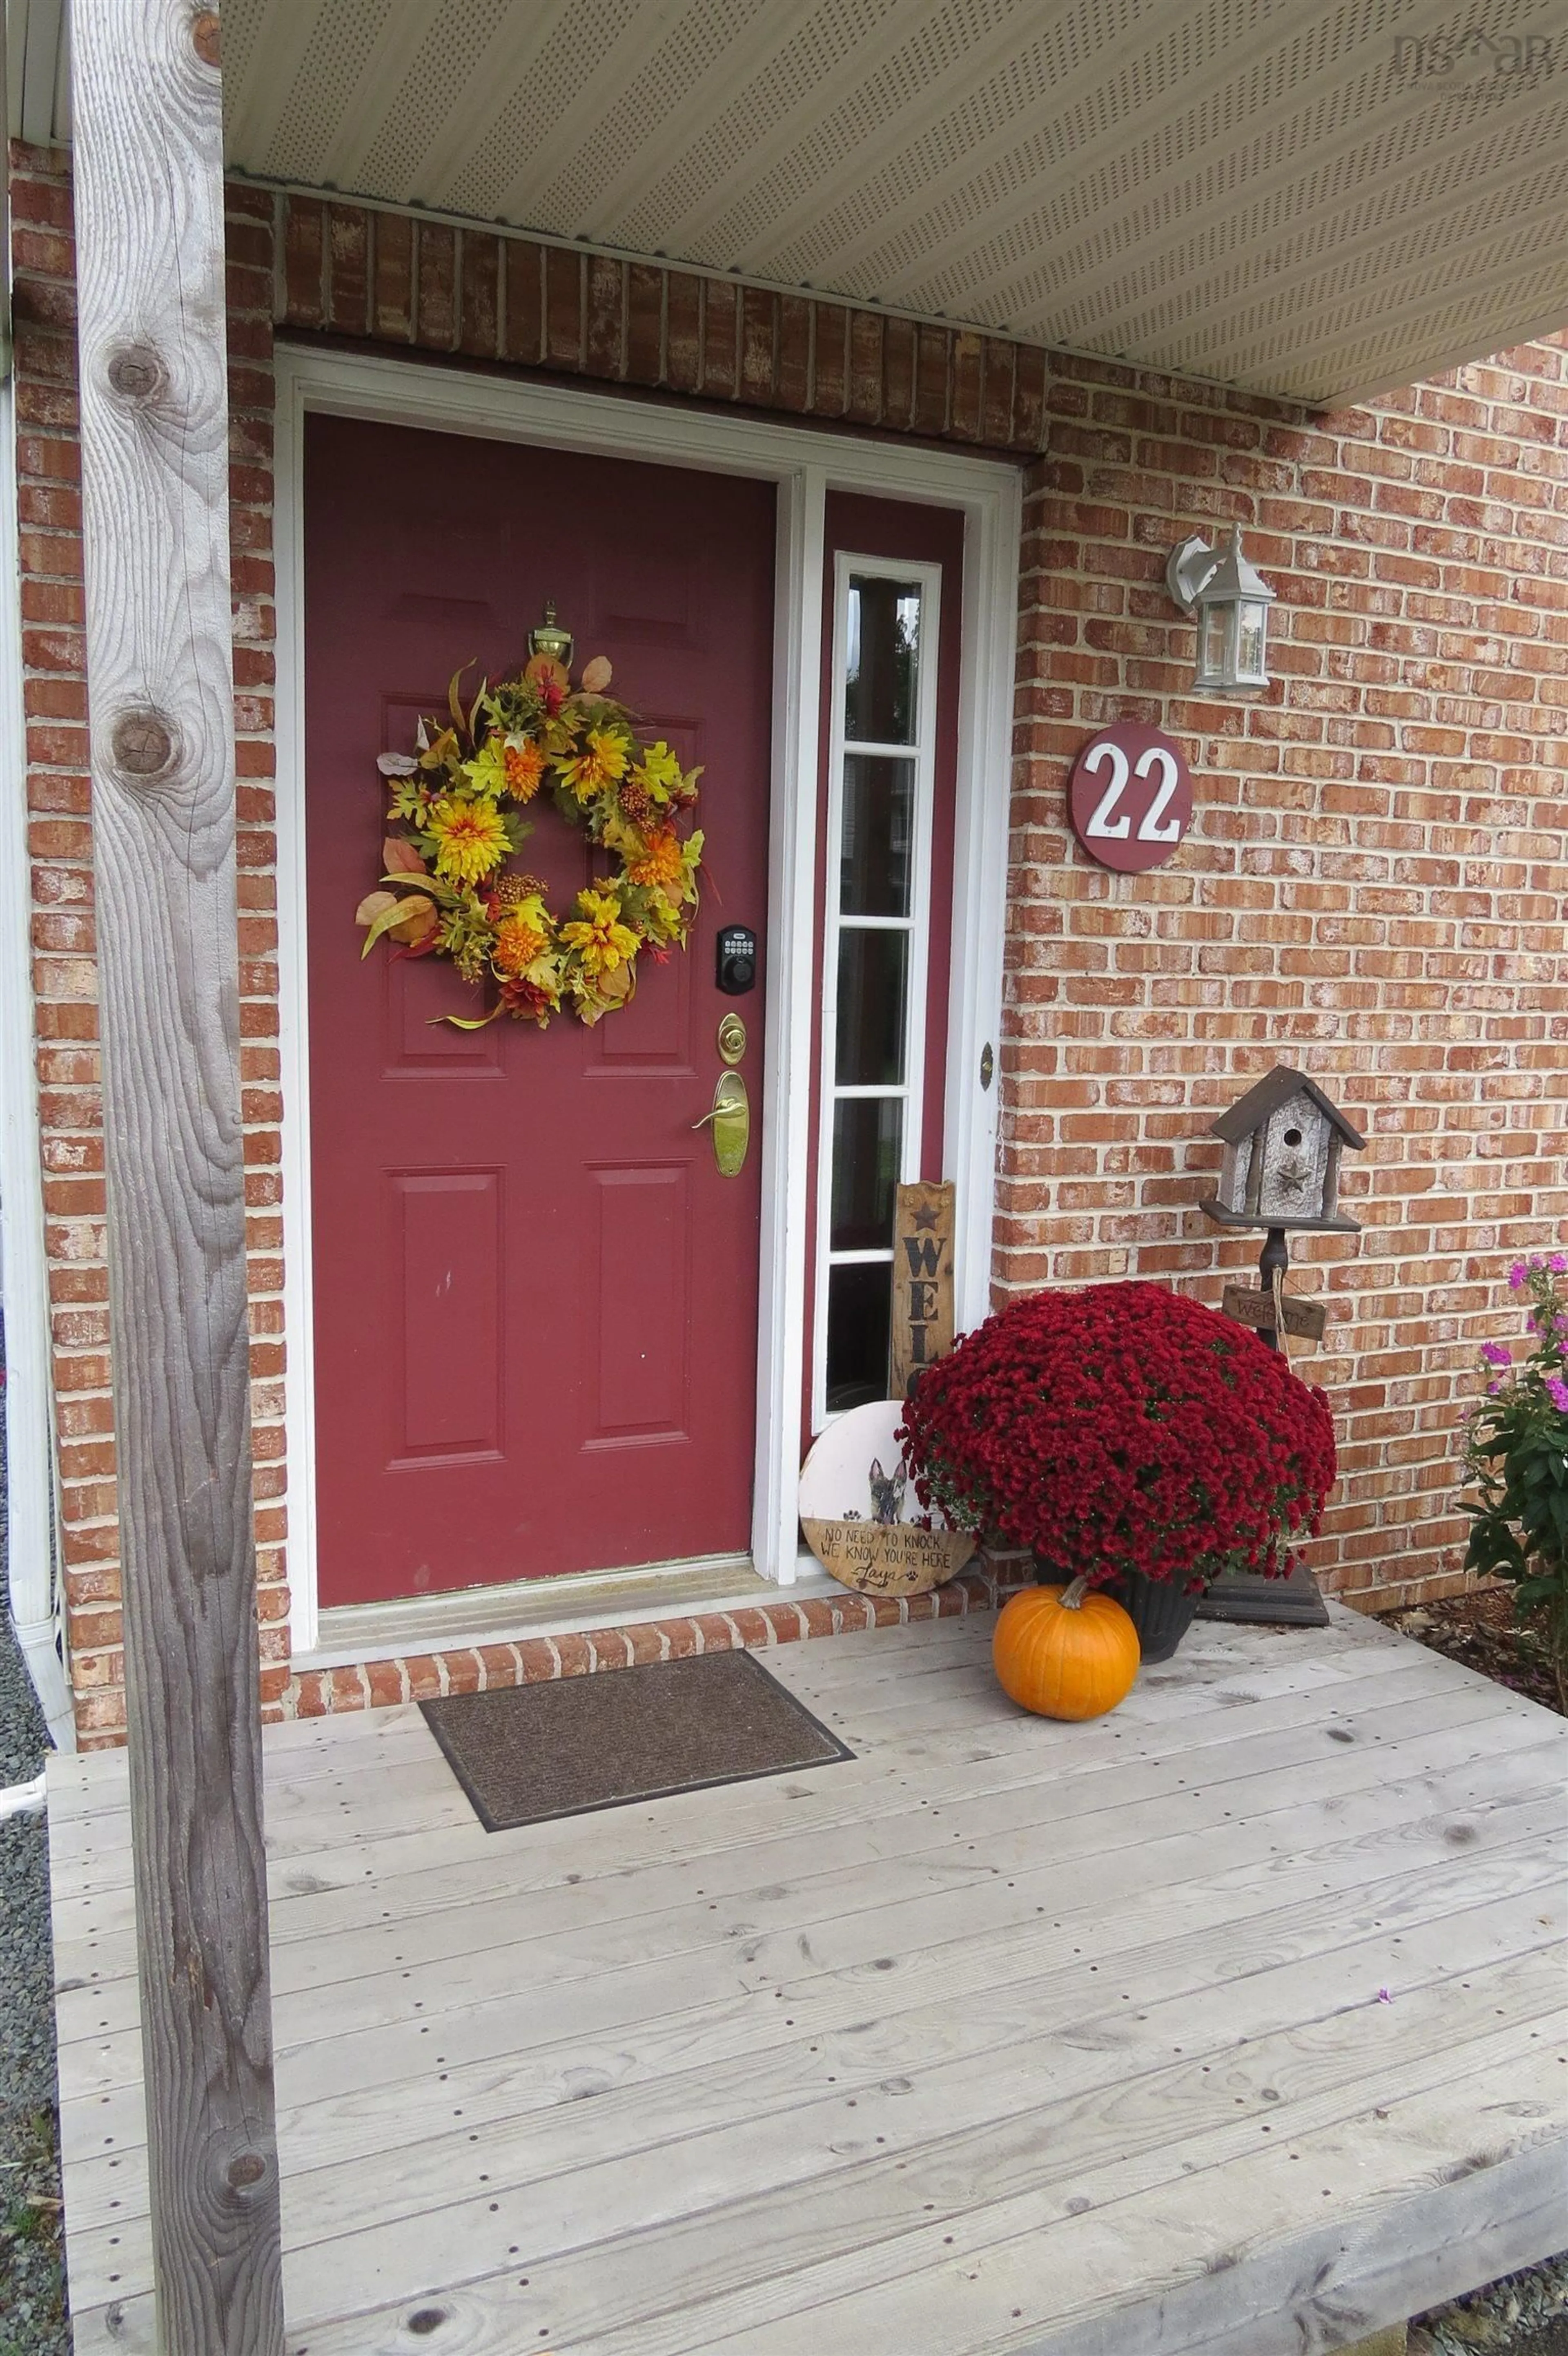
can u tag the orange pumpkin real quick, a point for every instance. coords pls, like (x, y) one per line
(1065, 1652)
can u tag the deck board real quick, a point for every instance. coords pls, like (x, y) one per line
(1414, 1704)
(353, 1929)
(921, 2053)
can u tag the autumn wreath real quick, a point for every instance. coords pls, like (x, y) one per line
(456, 813)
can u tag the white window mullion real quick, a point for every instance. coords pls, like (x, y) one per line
(907, 1090)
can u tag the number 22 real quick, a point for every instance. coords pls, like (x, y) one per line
(1102, 827)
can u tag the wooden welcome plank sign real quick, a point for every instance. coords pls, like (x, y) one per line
(1251, 1306)
(922, 1280)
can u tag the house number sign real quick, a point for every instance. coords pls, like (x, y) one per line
(1129, 796)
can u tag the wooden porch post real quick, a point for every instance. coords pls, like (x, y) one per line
(155, 454)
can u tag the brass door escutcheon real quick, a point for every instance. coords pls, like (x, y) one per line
(731, 1039)
(731, 1122)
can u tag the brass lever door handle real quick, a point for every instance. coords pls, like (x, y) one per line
(730, 1119)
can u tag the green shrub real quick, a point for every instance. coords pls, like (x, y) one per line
(1516, 1459)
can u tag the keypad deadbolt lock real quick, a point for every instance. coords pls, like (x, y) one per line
(736, 960)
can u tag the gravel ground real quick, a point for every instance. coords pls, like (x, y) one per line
(1523, 2315)
(32, 2273)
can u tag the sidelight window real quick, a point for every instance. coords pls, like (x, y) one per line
(881, 765)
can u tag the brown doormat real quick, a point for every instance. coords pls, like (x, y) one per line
(563, 1747)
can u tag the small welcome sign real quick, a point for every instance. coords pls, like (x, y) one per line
(923, 1282)
(879, 1558)
(860, 1515)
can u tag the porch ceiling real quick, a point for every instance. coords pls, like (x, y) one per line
(1311, 197)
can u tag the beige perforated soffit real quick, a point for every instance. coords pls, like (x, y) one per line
(1311, 197)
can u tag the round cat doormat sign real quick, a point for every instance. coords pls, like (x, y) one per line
(1129, 796)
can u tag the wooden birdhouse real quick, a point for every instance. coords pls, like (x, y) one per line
(1282, 1144)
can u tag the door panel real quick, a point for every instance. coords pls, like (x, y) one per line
(446, 1265)
(535, 1297)
(643, 1303)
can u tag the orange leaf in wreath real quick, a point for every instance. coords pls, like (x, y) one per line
(417, 926)
(597, 675)
(400, 858)
(399, 917)
(373, 905)
(544, 671)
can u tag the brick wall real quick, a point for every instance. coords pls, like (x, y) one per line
(1370, 885)
(1374, 886)
(49, 565)
(349, 271)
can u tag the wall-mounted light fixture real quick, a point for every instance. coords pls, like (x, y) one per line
(1229, 599)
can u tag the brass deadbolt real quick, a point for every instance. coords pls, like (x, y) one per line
(731, 1039)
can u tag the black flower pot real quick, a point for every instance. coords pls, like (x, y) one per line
(1160, 1613)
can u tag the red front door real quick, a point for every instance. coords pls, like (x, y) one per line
(536, 1296)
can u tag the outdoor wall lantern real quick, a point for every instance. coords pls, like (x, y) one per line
(1229, 599)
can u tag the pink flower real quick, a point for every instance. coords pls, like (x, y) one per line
(1495, 1354)
(1558, 1264)
(1517, 1275)
(1557, 1392)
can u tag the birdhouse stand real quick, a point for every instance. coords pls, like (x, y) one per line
(1282, 1145)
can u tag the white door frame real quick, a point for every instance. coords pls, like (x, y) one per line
(805, 463)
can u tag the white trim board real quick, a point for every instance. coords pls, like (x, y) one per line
(805, 463)
(352, 1634)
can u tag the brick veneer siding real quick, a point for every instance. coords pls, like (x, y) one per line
(1374, 886)
(1368, 885)
(351, 271)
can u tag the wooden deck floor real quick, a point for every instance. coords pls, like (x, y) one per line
(1232, 2023)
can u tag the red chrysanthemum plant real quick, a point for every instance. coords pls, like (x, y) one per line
(1122, 1429)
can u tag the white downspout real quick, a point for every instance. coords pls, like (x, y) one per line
(24, 1284)
(25, 1799)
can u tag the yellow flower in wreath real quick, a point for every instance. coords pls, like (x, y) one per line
(600, 940)
(603, 762)
(470, 838)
